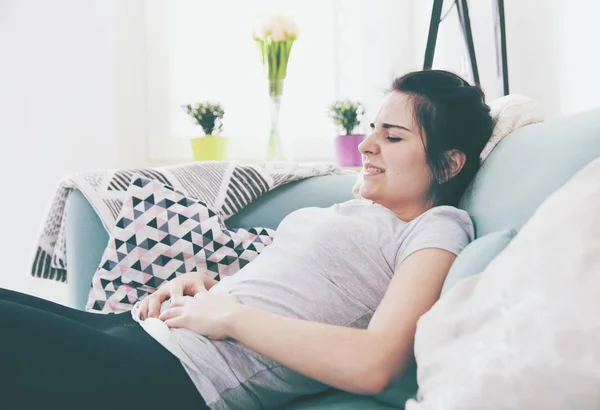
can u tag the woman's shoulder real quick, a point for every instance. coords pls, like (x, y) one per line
(446, 211)
(445, 216)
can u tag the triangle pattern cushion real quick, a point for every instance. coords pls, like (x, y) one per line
(145, 250)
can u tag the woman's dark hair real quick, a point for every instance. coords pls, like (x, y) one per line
(451, 115)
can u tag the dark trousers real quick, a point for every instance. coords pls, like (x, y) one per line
(55, 357)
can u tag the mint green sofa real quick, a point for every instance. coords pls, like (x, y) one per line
(519, 174)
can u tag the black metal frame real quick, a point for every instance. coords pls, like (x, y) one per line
(500, 25)
(465, 23)
(434, 24)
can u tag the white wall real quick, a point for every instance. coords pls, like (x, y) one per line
(374, 44)
(554, 54)
(69, 100)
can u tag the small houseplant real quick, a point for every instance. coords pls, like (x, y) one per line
(211, 147)
(347, 115)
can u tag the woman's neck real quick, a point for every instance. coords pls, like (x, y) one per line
(408, 212)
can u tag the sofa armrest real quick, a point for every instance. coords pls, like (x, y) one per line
(86, 241)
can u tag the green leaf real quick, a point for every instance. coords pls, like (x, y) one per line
(347, 114)
(208, 115)
(276, 55)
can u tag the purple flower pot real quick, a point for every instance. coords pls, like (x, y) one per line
(346, 149)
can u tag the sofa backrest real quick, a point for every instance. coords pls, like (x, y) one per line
(526, 167)
(269, 209)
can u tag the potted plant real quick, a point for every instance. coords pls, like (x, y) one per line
(209, 116)
(347, 115)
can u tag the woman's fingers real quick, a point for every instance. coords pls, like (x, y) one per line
(154, 302)
(177, 301)
(162, 293)
(143, 307)
(175, 289)
(175, 322)
(191, 288)
(170, 313)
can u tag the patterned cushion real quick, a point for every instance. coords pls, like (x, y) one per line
(161, 233)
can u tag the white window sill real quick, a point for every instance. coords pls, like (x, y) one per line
(250, 161)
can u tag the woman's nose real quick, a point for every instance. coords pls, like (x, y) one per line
(368, 145)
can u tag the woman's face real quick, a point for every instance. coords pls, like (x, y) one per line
(396, 174)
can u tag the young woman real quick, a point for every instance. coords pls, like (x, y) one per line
(334, 301)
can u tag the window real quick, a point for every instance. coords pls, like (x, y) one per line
(203, 50)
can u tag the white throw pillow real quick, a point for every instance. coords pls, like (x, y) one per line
(525, 334)
(510, 113)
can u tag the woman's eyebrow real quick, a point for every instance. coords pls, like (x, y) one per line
(386, 125)
(402, 127)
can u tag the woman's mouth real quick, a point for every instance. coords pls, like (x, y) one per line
(370, 171)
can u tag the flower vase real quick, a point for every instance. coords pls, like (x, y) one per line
(275, 146)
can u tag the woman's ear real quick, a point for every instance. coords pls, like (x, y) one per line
(456, 161)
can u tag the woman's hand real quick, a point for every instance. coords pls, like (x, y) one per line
(187, 284)
(206, 313)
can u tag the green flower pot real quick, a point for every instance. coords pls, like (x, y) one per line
(209, 148)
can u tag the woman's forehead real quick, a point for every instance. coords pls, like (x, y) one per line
(396, 109)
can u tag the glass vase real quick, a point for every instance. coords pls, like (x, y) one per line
(275, 150)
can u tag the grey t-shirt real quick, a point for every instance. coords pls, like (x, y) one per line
(330, 265)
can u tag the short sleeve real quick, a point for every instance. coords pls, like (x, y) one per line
(443, 227)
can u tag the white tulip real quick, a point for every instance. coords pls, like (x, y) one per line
(262, 28)
(289, 26)
(277, 29)
(276, 26)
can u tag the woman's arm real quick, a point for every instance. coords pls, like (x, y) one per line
(356, 360)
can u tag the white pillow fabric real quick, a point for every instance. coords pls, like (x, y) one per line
(525, 334)
(510, 113)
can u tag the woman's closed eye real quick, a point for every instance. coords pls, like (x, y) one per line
(390, 138)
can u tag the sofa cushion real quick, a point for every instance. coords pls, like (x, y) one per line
(476, 256)
(405, 388)
(338, 400)
(393, 398)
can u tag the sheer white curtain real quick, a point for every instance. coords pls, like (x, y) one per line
(203, 50)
